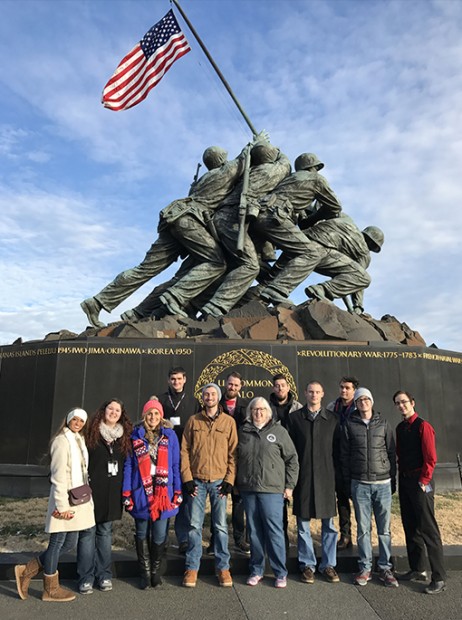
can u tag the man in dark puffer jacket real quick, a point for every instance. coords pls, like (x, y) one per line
(368, 458)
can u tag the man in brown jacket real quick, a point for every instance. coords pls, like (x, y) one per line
(208, 467)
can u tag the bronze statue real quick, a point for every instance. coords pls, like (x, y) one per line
(183, 229)
(268, 166)
(226, 230)
(276, 222)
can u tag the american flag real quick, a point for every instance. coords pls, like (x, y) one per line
(143, 67)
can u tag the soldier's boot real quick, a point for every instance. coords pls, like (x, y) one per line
(92, 308)
(172, 305)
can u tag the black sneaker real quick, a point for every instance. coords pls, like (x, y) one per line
(344, 543)
(183, 547)
(413, 575)
(242, 547)
(435, 587)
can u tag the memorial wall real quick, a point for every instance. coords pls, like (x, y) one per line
(40, 382)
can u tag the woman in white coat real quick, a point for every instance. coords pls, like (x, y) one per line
(68, 470)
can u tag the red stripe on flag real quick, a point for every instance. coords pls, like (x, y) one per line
(127, 93)
(136, 75)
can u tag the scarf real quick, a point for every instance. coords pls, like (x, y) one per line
(110, 434)
(79, 458)
(155, 488)
(344, 412)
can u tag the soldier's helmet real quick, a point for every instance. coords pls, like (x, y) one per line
(214, 157)
(375, 237)
(308, 160)
(263, 153)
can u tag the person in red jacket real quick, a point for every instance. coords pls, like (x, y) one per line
(416, 451)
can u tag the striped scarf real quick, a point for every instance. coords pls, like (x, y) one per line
(155, 488)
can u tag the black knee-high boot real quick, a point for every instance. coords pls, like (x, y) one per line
(157, 553)
(144, 563)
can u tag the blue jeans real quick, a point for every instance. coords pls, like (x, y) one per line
(155, 531)
(182, 521)
(59, 543)
(218, 515)
(94, 553)
(368, 498)
(306, 554)
(266, 532)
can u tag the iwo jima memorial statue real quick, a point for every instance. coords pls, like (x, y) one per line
(249, 232)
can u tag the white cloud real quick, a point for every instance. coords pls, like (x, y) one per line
(375, 89)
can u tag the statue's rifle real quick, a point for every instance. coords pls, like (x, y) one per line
(243, 225)
(196, 176)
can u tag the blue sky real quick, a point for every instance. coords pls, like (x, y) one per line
(374, 88)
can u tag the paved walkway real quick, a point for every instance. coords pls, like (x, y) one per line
(171, 601)
(320, 601)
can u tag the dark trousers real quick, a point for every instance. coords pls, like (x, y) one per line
(344, 510)
(420, 528)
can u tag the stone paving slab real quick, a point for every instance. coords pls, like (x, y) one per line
(320, 601)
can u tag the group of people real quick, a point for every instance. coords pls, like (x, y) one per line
(227, 230)
(266, 454)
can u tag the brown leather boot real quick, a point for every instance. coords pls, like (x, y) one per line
(52, 591)
(24, 573)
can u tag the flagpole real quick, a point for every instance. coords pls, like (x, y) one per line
(214, 65)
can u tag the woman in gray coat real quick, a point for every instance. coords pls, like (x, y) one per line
(69, 469)
(267, 472)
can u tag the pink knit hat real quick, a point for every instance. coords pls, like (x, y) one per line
(153, 404)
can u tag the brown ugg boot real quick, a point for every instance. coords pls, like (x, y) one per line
(52, 591)
(24, 573)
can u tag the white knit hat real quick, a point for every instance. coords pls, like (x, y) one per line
(77, 413)
(363, 392)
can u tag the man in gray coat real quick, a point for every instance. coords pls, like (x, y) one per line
(312, 430)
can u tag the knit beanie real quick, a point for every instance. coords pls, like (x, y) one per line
(76, 413)
(214, 386)
(363, 392)
(153, 404)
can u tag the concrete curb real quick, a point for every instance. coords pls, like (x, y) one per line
(124, 562)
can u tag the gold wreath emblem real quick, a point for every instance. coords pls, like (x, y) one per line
(243, 357)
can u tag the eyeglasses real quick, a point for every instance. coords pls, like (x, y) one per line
(363, 400)
(401, 402)
(259, 409)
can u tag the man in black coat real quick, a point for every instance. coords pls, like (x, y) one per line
(236, 406)
(343, 407)
(179, 405)
(283, 402)
(312, 430)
